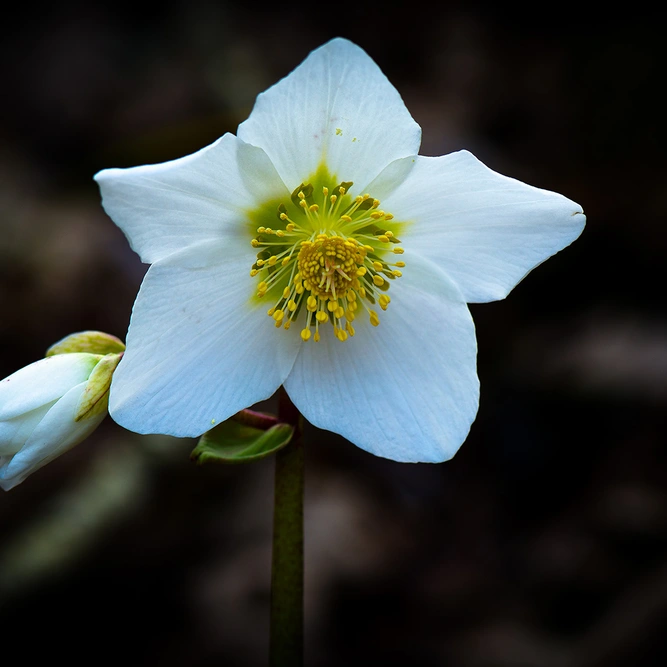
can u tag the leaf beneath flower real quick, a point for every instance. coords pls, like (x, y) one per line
(231, 442)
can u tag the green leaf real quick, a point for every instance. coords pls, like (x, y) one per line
(231, 442)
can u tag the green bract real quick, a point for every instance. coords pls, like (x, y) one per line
(231, 442)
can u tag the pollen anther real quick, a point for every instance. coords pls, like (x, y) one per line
(329, 263)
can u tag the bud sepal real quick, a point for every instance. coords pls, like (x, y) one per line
(92, 342)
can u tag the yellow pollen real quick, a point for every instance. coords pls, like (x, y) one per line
(329, 264)
(326, 263)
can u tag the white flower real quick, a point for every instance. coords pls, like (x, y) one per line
(48, 407)
(320, 212)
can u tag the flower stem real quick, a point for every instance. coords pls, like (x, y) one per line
(286, 642)
(255, 419)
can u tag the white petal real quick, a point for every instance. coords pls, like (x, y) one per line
(56, 433)
(486, 231)
(406, 390)
(198, 349)
(163, 208)
(14, 432)
(337, 107)
(43, 382)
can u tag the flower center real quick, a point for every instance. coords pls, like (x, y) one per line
(328, 265)
(327, 258)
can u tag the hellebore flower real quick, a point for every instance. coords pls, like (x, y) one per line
(48, 407)
(317, 250)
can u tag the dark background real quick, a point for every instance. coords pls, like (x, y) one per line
(542, 543)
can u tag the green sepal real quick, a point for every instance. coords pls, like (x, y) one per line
(93, 342)
(95, 397)
(231, 442)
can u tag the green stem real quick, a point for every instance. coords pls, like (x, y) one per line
(286, 645)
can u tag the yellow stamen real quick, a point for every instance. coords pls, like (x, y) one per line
(330, 265)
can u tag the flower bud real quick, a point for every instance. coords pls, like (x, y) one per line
(48, 407)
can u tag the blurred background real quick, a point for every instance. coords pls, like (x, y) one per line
(542, 543)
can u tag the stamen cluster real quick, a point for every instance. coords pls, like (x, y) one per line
(329, 263)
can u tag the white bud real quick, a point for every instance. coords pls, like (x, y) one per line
(48, 407)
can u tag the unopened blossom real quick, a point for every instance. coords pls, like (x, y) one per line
(316, 249)
(49, 407)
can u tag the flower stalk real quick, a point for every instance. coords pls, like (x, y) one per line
(286, 639)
